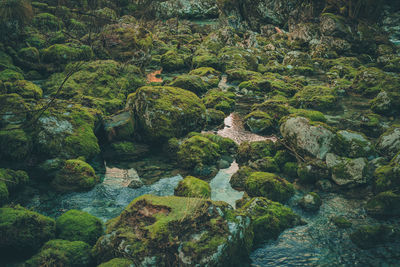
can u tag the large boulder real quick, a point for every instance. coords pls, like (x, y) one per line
(164, 112)
(176, 231)
(23, 231)
(347, 172)
(311, 138)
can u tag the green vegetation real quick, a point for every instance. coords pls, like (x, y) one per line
(193, 187)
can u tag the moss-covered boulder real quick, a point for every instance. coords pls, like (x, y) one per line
(59, 252)
(75, 225)
(215, 117)
(23, 231)
(316, 97)
(172, 61)
(268, 218)
(255, 86)
(238, 179)
(308, 137)
(368, 81)
(237, 57)
(124, 151)
(265, 164)
(165, 112)
(198, 227)
(99, 84)
(14, 107)
(347, 172)
(76, 175)
(220, 100)
(259, 122)
(310, 202)
(193, 187)
(193, 83)
(269, 185)
(15, 144)
(369, 236)
(198, 152)
(387, 177)
(11, 180)
(119, 127)
(252, 151)
(65, 53)
(26, 89)
(384, 205)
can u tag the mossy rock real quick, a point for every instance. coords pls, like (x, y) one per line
(235, 57)
(117, 262)
(119, 127)
(205, 59)
(387, 177)
(290, 169)
(199, 228)
(9, 75)
(226, 145)
(238, 179)
(312, 171)
(23, 231)
(269, 185)
(252, 151)
(76, 175)
(269, 218)
(14, 106)
(65, 53)
(164, 112)
(47, 22)
(172, 61)
(316, 97)
(369, 236)
(59, 252)
(198, 151)
(265, 164)
(312, 115)
(389, 142)
(26, 89)
(256, 86)
(14, 145)
(193, 187)
(30, 54)
(4, 194)
(239, 75)
(355, 144)
(384, 205)
(259, 122)
(282, 157)
(220, 100)
(13, 179)
(191, 83)
(368, 81)
(124, 151)
(75, 225)
(215, 117)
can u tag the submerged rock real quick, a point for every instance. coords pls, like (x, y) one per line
(310, 202)
(384, 205)
(190, 231)
(369, 236)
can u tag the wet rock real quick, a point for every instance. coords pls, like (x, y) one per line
(384, 205)
(324, 185)
(119, 127)
(310, 202)
(347, 172)
(75, 225)
(311, 138)
(165, 112)
(387, 177)
(389, 142)
(76, 175)
(269, 185)
(193, 187)
(252, 151)
(370, 236)
(23, 231)
(201, 231)
(66, 253)
(238, 180)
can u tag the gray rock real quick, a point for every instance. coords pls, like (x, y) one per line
(347, 172)
(389, 142)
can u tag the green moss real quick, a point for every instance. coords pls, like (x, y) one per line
(47, 22)
(26, 89)
(252, 151)
(268, 218)
(3, 193)
(117, 262)
(283, 156)
(14, 145)
(205, 59)
(193, 187)
(191, 83)
(226, 145)
(259, 122)
(10, 75)
(238, 179)
(312, 171)
(341, 222)
(316, 97)
(265, 164)
(240, 75)
(387, 177)
(256, 85)
(65, 53)
(368, 81)
(198, 151)
(220, 100)
(62, 253)
(204, 72)
(235, 57)
(269, 185)
(13, 179)
(75, 225)
(30, 54)
(313, 115)
(164, 112)
(23, 231)
(215, 117)
(171, 61)
(384, 205)
(290, 169)
(76, 175)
